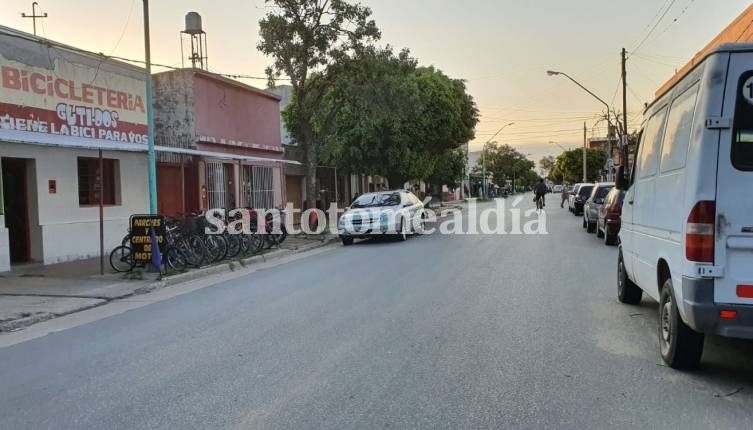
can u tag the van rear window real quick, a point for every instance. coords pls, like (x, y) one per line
(742, 144)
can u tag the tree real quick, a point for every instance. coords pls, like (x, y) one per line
(304, 37)
(505, 162)
(546, 165)
(449, 168)
(396, 119)
(569, 165)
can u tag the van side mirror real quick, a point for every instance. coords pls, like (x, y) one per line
(621, 181)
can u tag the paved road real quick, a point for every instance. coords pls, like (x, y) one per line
(438, 332)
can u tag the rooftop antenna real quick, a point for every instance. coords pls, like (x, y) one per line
(34, 15)
(194, 34)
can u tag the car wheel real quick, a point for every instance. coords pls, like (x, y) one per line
(585, 223)
(402, 235)
(590, 227)
(610, 239)
(599, 234)
(681, 347)
(627, 291)
(347, 241)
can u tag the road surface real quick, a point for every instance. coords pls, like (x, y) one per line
(455, 332)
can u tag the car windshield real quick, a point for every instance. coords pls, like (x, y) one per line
(585, 190)
(602, 192)
(376, 200)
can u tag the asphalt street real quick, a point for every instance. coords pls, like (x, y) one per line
(439, 332)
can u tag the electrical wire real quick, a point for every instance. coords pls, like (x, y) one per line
(661, 18)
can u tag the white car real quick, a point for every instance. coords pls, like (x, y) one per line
(687, 220)
(557, 189)
(375, 214)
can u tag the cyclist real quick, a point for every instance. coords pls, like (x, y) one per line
(541, 190)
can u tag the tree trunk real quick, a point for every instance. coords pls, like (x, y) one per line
(311, 162)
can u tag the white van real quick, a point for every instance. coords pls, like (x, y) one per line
(687, 221)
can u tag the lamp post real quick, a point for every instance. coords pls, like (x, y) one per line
(483, 159)
(609, 118)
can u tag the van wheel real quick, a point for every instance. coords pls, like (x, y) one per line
(347, 241)
(627, 291)
(681, 346)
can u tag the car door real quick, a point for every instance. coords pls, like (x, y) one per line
(734, 207)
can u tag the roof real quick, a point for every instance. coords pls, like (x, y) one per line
(223, 79)
(738, 31)
(100, 57)
(724, 48)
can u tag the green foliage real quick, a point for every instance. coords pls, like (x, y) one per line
(546, 165)
(304, 37)
(569, 165)
(395, 119)
(449, 168)
(505, 162)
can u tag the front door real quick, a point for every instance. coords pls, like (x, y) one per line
(16, 208)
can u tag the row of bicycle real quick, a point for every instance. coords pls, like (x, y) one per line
(192, 241)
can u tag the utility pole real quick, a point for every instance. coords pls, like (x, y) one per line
(34, 16)
(624, 111)
(151, 157)
(585, 167)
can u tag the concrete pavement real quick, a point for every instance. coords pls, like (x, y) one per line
(441, 331)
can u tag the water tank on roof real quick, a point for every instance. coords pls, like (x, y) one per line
(193, 23)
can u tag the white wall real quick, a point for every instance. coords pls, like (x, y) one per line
(67, 231)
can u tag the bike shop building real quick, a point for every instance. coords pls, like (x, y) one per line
(59, 107)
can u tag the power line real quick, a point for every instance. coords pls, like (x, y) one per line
(671, 3)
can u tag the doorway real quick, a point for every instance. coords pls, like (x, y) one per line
(16, 205)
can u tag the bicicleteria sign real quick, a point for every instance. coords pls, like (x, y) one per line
(65, 99)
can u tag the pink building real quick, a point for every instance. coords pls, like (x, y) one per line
(228, 143)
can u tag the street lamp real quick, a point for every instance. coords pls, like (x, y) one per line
(609, 118)
(483, 159)
(551, 142)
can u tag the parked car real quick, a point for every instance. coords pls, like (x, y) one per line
(608, 224)
(687, 228)
(593, 204)
(375, 214)
(580, 197)
(557, 189)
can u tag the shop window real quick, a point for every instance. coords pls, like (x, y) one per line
(91, 183)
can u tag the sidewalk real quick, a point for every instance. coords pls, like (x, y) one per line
(34, 293)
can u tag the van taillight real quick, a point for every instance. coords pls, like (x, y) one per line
(699, 233)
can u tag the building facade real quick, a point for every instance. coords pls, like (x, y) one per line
(73, 134)
(226, 140)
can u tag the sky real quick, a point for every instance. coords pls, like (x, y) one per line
(502, 49)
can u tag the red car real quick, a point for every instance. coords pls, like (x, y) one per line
(610, 217)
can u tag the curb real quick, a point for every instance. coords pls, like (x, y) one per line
(225, 267)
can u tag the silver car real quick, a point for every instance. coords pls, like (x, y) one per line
(593, 204)
(397, 212)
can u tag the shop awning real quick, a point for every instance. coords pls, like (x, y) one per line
(72, 142)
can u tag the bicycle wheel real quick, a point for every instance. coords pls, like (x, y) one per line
(233, 245)
(194, 251)
(255, 242)
(216, 247)
(121, 259)
(175, 259)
